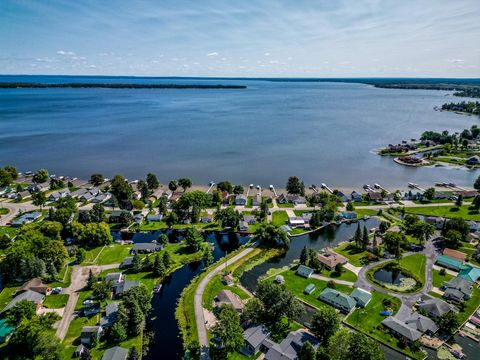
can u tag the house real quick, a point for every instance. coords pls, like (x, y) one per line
(26, 218)
(126, 262)
(309, 289)
(243, 226)
(116, 214)
(257, 200)
(450, 263)
(455, 254)
(91, 310)
(458, 289)
(282, 199)
(37, 187)
(468, 193)
(250, 219)
(422, 323)
(5, 330)
(304, 271)
(356, 196)
(119, 289)
(115, 353)
(401, 329)
(138, 218)
(207, 219)
(330, 259)
(29, 295)
(57, 195)
(286, 228)
(253, 338)
(89, 333)
(470, 273)
(342, 196)
(279, 279)
(361, 296)
(145, 248)
(435, 307)
(307, 217)
(240, 200)
(114, 278)
(101, 198)
(110, 315)
(289, 347)
(344, 303)
(374, 196)
(228, 280)
(80, 350)
(348, 215)
(291, 199)
(78, 193)
(34, 284)
(226, 297)
(436, 221)
(23, 195)
(472, 225)
(296, 221)
(154, 217)
(167, 194)
(473, 160)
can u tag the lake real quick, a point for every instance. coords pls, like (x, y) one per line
(322, 132)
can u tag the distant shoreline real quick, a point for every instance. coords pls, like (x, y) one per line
(27, 85)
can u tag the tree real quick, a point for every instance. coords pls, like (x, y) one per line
(125, 218)
(304, 256)
(271, 235)
(12, 171)
(40, 176)
(97, 213)
(452, 239)
(459, 225)
(448, 323)
(225, 186)
(172, 185)
(229, 218)
(295, 186)
(162, 205)
(193, 239)
(80, 256)
(393, 242)
(307, 352)
(163, 239)
(92, 280)
(39, 199)
(339, 268)
(357, 238)
(97, 179)
(136, 263)
(101, 290)
(143, 188)
(52, 229)
(476, 185)
(171, 219)
(122, 191)
(429, 194)
(350, 206)
(152, 181)
(365, 240)
(167, 259)
(459, 201)
(253, 311)
(422, 231)
(238, 189)
(228, 330)
(184, 183)
(23, 310)
(5, 178)
(5, 241)
(158, 267)
(207, 257)
(325, 323)
(118, 333)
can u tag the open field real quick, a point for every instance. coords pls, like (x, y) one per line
(463, 212)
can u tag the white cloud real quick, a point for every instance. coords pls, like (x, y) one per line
(65, 53)
(457, 61)
(212, 54)
(267, 54)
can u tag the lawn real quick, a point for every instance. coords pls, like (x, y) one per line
(3, 211)
(113, 254)
(355, 257)
(83, 295)
(365, 212)
(215, 286)
(438, 279)
(470, 305)
(279, 218)
(92, 255)
(152, 225)
(6, 295)
(56, 301)
(367, 320)
(416, 264)
(297, 284)
(346, 275)
(463, 212)
(287, 205)
(11, 231)
(64, 278)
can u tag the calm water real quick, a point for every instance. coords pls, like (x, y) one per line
(392, 277)
(323, 132)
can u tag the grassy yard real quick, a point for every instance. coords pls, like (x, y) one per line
(438, 279)
(346, 275)
(6, 295)
(56, 301)
(287, 205)
(92, 255)
(415, 263)
(64, 278)
(354, 257)
(113, 254)
(367, 320)
(152, 225)
(215, 286)
(3, 211)
(297, 284)
(279, 218)
(470, 305)
(463, 212)
(10, 231)
(365, 212)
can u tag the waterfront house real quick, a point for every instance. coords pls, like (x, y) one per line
(228, 280)
(296, 221)
(101, 198)
(154, 217)
(257, 200)
(450, 263)
(455, 254)
(114, 278)
(124, 286)
(110, 317)
(470, 273)
(435, 307)
(342, 196)
(207, 219)
(26, 218)
(167, 194)
(374, 196)
(79, 192)
(458, 289)
(307, 217)
(240, 200)
(422, 324)
(361, 296)
(289, 347)
(127, 262)
(330, 259)
(254, 337)
(402, 330)
(115, 353)
(309, 289)
(116, 214)
(304, 271)
(467, 193)
(243, 226)
(436, 221)
(341, 301)
(30, 296)
(356, 196)
(348, 215)
(226, 297)
(34, 284)
(89, 333)
(145, 248)
(250, 219)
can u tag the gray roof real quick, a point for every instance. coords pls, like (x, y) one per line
(113, 277)
(401, 328)
(125, 286)
(289, 347)
(436, 307)
(460, 284)
(361, 294)
(28, 295)
(255, 335)
(115, 353)
(110, 314)
(87, 331)
(146, 247)
(127, 261)
(421, 323)
(334, 296)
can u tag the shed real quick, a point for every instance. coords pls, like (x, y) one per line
(343, 302)
(361, 296)
(115, 353)
(450, 263)
(309, 289)
(304, 271)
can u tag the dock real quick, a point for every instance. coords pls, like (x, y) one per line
(324, 186)
(273, 190)
(212, 184)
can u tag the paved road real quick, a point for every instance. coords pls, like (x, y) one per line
(79, 281)
(14, 209)
(199, 316)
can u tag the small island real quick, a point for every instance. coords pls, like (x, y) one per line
(471, 107)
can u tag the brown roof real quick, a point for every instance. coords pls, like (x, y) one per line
(331, 259)
(34, 284)
(226, 297)
(455, 254)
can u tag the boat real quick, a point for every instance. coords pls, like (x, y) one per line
(457, 354)
(157, 288)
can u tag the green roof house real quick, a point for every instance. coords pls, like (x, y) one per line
(344, 303)
(5, 330)
(362, 297)
(470, 273)
(450, 263)
(304, 271)
(309, 289)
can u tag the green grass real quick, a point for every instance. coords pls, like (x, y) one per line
(11, 231)
(64, 278)
(237, 356)
(152, 226)
(215, 286)
(355, 257)
(365, 212)
(364, 203)
(438, 279)
(470, 305)
(415, 263)
(367, 320)
(91, 255)
(296, 284)
(463, 212)
(287, 205)
(4, 211)
(279, 218)
(113, 254)
(7, 294)
(56, 301)
(346, 275)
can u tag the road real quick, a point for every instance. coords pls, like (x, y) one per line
(198, 303)
(78, 282)
(13, 210)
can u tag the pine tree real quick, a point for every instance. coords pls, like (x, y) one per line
(136, 263)
(136, 319)
(147, 264)
(91, 279)
(158, 267)
(365, 238)
(207, 257)
(358, 236)
(166, 259)
(304, 256)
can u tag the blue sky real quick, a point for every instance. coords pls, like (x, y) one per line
(303, 38)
